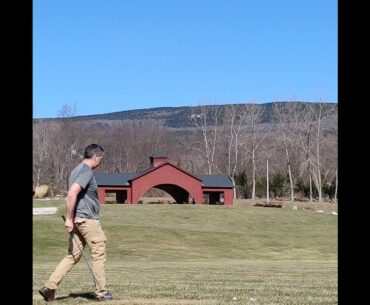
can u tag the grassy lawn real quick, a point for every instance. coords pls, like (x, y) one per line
(200, 254)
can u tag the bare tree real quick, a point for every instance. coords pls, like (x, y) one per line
(304, 126)
(125, 140)
(309, 119)
(192, 148)
(43, 133)
(234, 125)
(318, 115)
(283, 114)
(206, 119)
(65, 145)
(317, 173)
(254, 114)
(67, 111)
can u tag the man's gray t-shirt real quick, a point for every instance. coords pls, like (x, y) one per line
(87, 205)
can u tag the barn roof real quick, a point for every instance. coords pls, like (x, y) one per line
(113, 179)
(122, 179)
(151, 169)
(216, 180)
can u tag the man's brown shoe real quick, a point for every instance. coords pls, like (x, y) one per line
(47, 294)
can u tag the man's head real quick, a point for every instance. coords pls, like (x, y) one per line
(93, 155)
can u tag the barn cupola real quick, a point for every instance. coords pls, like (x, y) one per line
(157, 159)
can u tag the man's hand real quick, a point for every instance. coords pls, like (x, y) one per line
(69, 225)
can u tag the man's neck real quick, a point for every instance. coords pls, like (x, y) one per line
(88, 162)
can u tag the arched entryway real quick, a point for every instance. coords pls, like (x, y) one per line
(178, 194)
(176, 182)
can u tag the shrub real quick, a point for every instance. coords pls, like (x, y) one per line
(277, 185)
(260, 186)
(241, 185)
(328, 188)
(303, 186)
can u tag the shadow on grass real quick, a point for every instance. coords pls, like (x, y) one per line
(85, 295)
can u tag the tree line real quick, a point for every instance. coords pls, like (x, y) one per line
(299, 143)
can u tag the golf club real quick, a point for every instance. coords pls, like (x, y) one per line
(96, 282)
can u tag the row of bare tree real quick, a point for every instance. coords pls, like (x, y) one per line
(301, 142)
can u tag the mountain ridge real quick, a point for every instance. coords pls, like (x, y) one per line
(173, 117)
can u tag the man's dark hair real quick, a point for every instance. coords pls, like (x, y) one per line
(93, 149)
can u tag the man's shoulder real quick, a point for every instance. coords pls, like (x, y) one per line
(82, 168)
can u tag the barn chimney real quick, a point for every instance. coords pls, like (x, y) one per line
(157, 159)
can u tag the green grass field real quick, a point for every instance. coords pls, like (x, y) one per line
(168, 254)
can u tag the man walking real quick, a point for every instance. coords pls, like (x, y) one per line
(82, 222)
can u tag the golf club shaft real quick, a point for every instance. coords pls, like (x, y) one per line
(82, 252)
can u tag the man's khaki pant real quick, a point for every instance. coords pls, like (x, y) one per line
(88, 232)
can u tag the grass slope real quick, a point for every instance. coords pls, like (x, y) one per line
(192, 254)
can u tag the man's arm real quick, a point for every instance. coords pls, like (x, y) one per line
(73, 192)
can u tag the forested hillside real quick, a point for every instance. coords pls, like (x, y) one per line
(299, 140)
(178, 117)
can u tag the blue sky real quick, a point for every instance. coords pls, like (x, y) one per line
(113, 55)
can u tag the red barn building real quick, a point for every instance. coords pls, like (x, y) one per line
(181, 185)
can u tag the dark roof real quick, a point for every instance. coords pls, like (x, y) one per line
(113, 179)
(216, 180)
